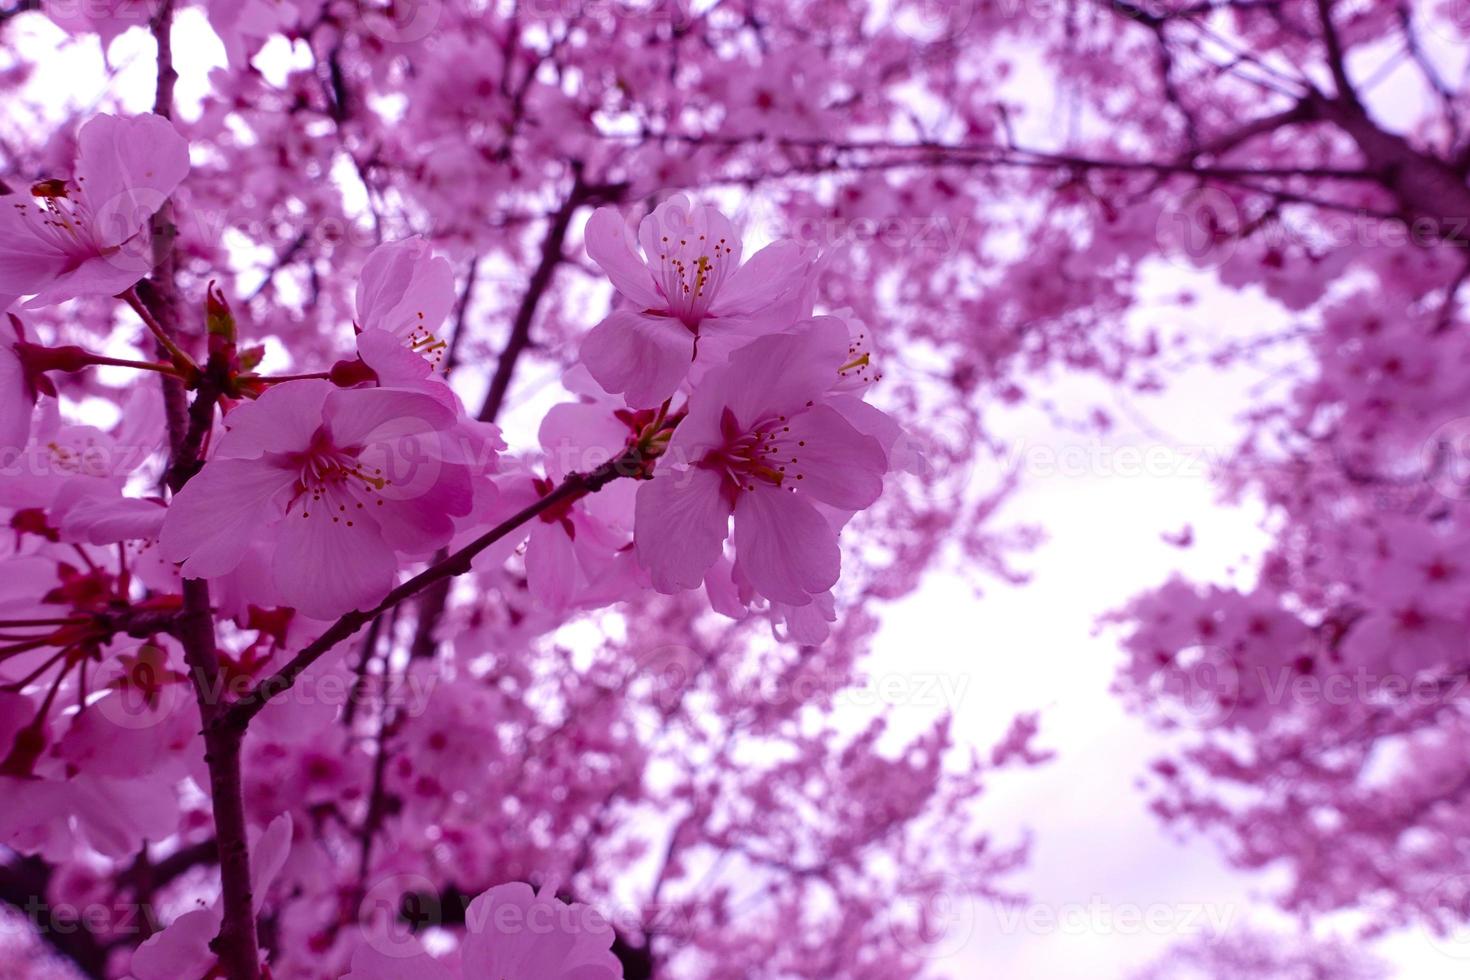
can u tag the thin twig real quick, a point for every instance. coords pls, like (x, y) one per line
(238, 715)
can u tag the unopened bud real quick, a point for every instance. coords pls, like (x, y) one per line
(219, 321)
(346, 374)
(250, 358)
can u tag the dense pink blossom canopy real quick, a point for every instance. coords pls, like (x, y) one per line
(457, 462)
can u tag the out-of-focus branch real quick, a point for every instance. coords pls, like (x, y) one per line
(436, 599)
(461, 312)
(551, 256)
(18, 8)
(23, 886)
(1303, 111)
(1336, 59)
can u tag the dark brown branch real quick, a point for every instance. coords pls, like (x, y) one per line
(900, 155)
(236, 945)
(431, 609)
(1303, 111)
(1451, 304)
(364, 661)
(1426, 188)
(281, 261)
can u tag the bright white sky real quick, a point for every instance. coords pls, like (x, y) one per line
(1097, 852)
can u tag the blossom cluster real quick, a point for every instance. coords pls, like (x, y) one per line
(718, 445)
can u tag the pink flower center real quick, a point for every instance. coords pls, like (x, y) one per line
(332, 482)
(858, 371)
(63, 219)
(690, 272)
(763, 455)
(558, 513)
(422, 340)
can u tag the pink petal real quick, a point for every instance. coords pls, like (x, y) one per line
(610, 244)
(109, 519)
(98, 275)
(485, 950)
(784, 546)
(809, 624)
(391, 360)
(413, 964)
(774, 375)
(680, 219)
(268, 855)
(27, 262)
(765, 279)
(282, 420)
(127, 168)
(326, 568)
(680, 522)
(870, 421)
(127, 736)
(780, 373)
(723, 594)
(514, 934)
(115, 816)
(214, 519)
(577, 437)
(16, 405)
(403, 287)
(364, 416)
(640, 357)
(420, 504)
(181, 950)
(839, 465)
(552, 572)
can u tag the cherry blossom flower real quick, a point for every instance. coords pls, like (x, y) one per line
(512, 933)
(89, 234)
(690, 296)
(405, 292)
(762, 442)
(340, 482)
(578, 553)
(993, 253)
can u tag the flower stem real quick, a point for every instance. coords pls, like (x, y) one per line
(180, 356)
(158, 366)
(276, 379)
